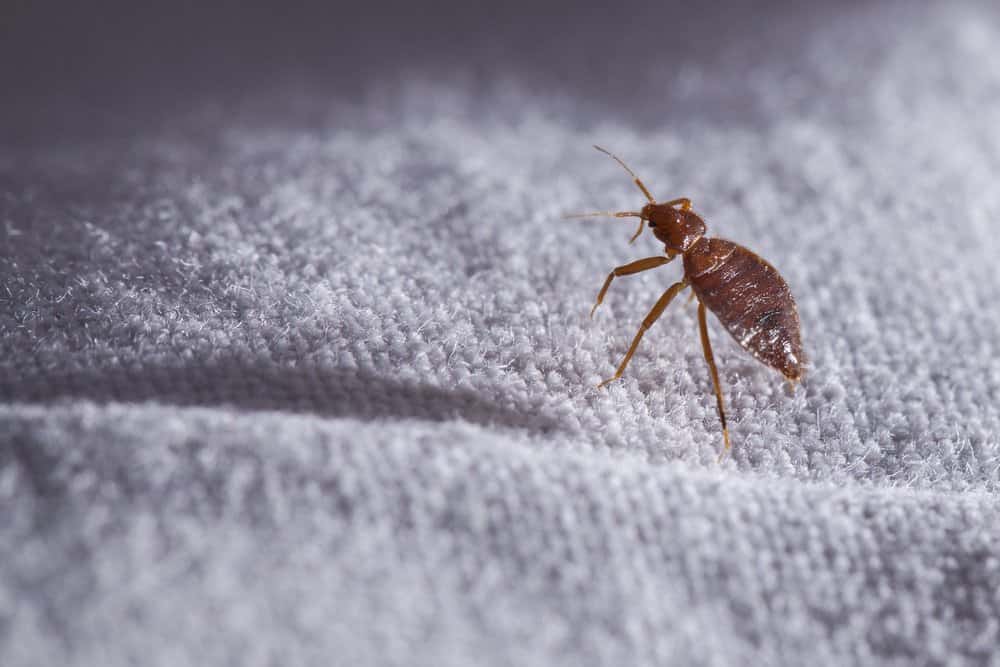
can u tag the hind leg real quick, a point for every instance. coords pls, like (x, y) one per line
(706, 347)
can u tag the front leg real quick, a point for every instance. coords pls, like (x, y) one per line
(683, 201)
(627, 269)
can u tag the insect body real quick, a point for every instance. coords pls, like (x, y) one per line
(746, 293)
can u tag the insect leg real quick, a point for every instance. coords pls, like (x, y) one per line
(710, 358)
(628, 269)
(683, 201)
(654, 314)
(638, 231)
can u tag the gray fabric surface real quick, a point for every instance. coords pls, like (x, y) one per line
(296, 375)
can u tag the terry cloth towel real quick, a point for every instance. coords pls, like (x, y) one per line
(299, 370)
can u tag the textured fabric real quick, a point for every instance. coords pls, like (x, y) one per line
(295, 373)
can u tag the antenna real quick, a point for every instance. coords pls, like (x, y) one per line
(635, 178)
(612, 214)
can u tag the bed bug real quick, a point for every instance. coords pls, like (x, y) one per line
(747, 294)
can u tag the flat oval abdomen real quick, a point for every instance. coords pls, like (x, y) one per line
(752, 301)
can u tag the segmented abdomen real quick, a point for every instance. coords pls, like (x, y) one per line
(751, 299)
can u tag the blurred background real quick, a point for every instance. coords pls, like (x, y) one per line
(91, 68)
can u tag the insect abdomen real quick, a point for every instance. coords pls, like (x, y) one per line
(751, 299)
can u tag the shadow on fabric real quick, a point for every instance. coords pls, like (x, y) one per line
(320, 391)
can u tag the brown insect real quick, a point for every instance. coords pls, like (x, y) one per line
(747, 294)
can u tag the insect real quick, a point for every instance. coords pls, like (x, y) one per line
(747, 294)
